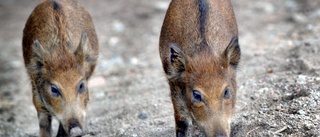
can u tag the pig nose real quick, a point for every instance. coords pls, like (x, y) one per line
(73, 123)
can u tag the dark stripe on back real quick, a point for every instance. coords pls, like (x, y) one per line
(56, 5)
(203, 9)
(60, 23)
(203, 13)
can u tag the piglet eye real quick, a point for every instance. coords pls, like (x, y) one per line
(81, 87)
(226, 94)
(54, 90)
(197, 95)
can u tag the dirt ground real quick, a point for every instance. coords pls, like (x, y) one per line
(278, 82)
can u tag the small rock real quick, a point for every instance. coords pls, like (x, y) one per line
(308, 126)
(160, 123)
(275, 99)
(312, 103)
(134, 60)
(11, 119)
(273, 125)
(118, 26)
(143, 115)
(263, 90)
(269, 8)
(121, 131)
(300, 18)
(302, 79)
(114, 41)
(155, 105)
(278, 108)
(301, 112)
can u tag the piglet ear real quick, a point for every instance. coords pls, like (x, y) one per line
(37, 50)
(37, 60)
(177, 60)
(80, 51)
(233, 53)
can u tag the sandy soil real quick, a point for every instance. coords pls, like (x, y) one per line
(279, 79)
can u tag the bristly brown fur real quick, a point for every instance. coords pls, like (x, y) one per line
(60, 50)
(200, 53)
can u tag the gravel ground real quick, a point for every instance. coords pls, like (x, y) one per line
(278, 80)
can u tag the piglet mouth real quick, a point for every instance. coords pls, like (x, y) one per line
(75, 128)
